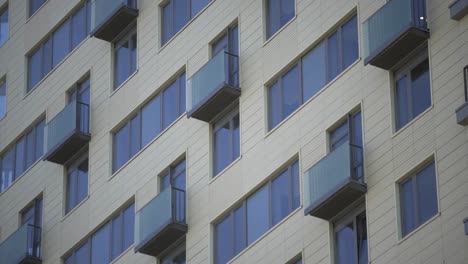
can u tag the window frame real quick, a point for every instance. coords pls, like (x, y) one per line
(268, 34)
(73, 165)
(5, 9)
(404, 69)
(170, 172)
(125, 37)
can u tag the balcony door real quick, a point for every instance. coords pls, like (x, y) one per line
(229, 42)
(32, 216)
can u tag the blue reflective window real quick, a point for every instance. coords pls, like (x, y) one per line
(150, 120)
(61, 43)
(170, 104)
(3, 100)
(349, 42)
(100, 249)
(224, 240)
(333, 51)
(279, 12)
(313, 63)
(280, 197)
(34, 5)
(226, 141)
(121, 148)
(346, 245)
(4, 35)
(124, 58)
(258, 214)
(77, 183)
(290, 91)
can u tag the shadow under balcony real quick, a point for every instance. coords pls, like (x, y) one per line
(334, 182)
(214, 87)
(394, 31)
(67, 133)
(161, 222)
(111, 17)
(22, 247)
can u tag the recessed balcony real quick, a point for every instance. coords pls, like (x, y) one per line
(111, 17)
(67, 133)
(458, 9)
(22, 247)
(394, 31)
(335, 182)
(214, 87)
(161, 222)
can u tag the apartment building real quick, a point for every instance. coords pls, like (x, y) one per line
(233, 131)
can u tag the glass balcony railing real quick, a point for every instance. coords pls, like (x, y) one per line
(110, 17)
(160, 222)
(329, 180)
(388, 28)
(212, 88)
(67, 132)
(23, 246)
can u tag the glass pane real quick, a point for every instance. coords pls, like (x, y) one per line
(427, 193)
(69, 260)
(287, 11)
(223, 240)
(27, 217)
(166, 23)
(100, 245)
(34, 5)
(117, 236)
(40, 139)
(135, 135)
(170, 107)
(47, 57)
(402, 110)
(236, 137)
(2, 99)
(30, 144)
(240, 239)
(221, 45)
(165, 182)
(133, 53)
(20, 158)
(181, 14)
(3, 26)
(314, 72)
(35, 68)
(296, 188)
(121, 147)
(129, 226)
(182, 83)
(8, 168)
(150, 120)
(333, 56)
(179, 180)
(420, 88)
(407, 207)
(82, 191)
(280, 187)
(346, 245)
(234, 41)
(338, 136)
(258, 214)
(222, 148)
(122, 64)
(291, 91)
(273, 19)
(197, 6)
(71, 189)
(362, 238)
(79, 27)
(274, 108)
(350, 44)
(61, 43)
(82, 254)
(83, 92)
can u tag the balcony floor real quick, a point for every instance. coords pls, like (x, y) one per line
(162, 239)
(67, 148)
(215, 103)
(115, 23)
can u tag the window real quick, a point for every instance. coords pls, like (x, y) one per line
(226, 141)
(77, 183)
(108, 242)
(257, 214)
(3, 98)
(412, 91)
(61, 42)
(3, 25)
(80, 92)
(149, 121)
(174, 176)
(32, 216)
(418, 198)
(350, 237)
(21, 155)
(34, 5)
(278, 13)
(175, 256)
(176, 14)
(125, 55)
(314, 70)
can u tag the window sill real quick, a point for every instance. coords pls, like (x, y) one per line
(270, 39)
(183, 28)
(403, 239)
(214, 177)
(35, 12)
(414, 120)
(53, 69)
(123, 83)
(264, 235)
(74, 208)
(21, 175)
(268, 133)
(145, 147)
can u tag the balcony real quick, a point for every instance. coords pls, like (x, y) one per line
(394, 31)
(458, 9)
(110, 17)
(161, 222)
(462, 111)
(22, 247)
(67, 133)
(335, 182)
(214, 87)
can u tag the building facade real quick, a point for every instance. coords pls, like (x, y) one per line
(240, 131)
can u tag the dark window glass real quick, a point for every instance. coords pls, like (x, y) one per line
(47, 57)
(117, 225)
(402, 102)
(224, 238)
(4, 26)
(346, 245)
(79, 29)
(30, 153)
(236, 137)
(2, 98)
(167, 22)
(220, 45)
(361, 226)
(280, 197)
(197, 6)
(333, 56)
(100, 245)
(61, 43)
(313, 66)
(122, 63)
(287, 11)
(133, 53)
(170, 104)
(240, 235)
(296, 189)
(279, 12)
(135, 135)
(338, 136)
(34, 5)
(349, 42)
(226, 142)
(181, 16)
(77, 183)
(275, 105)
(258, 214)
(40, 139)
(291, 91)
(150, 120)
(421, 92)
(121, 147)
(82, 254)
(34, 68)
(129, 224)
(407, 207)
(20, 157)
(8, 168)
(182, 83)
